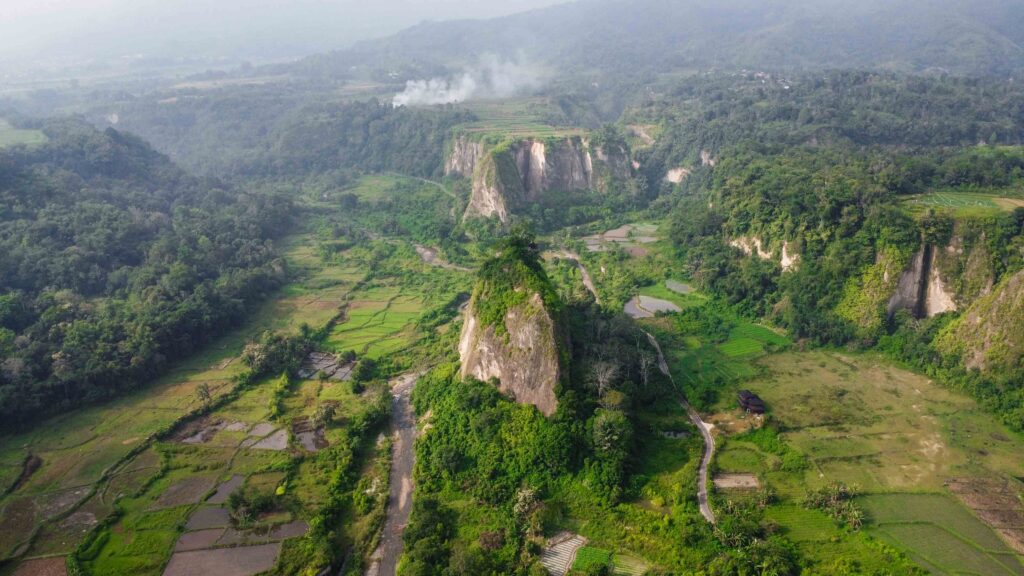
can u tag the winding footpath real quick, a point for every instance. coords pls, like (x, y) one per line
(705, 430)
(384, 561)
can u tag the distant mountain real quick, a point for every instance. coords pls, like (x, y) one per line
(979, 37)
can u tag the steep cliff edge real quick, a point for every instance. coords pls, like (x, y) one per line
(512, 330)
(933, 280)
(507, 174)
(990, 334)
(921, 288)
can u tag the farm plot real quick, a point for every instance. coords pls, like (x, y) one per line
(240, 561)
(965, 203)
(517, 117)
(589, 558)
(884, 510)
(802, 525)
(379, 323)
(862, 421)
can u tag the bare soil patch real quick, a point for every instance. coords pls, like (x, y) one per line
(276, 441)
(225, 489)
(242, 561)
(232, 537)
(312, 440)
(996, 503)
(736, 482)
(262, 429)
(199, 431)
(187, 491)
(236, 427)
(198, 540)
(328, 364)
(208, 517)
(42, 567)
(56, 503)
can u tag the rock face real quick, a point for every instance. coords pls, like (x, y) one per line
(789, 259)
(525, 362)
(512, 332)
(509, 175)
(990, 334)
(921, 288)
(676, 175)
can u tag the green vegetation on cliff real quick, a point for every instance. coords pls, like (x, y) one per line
(510, 279)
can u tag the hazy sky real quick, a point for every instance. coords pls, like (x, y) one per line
(85, 29)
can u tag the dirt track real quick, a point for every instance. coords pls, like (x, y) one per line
(705, 431)
(403, 426)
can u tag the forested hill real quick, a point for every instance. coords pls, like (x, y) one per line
(980, 37)
(113, 262)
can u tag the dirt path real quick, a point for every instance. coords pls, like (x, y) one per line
(432, 257)
(705, 431)
(384, 561)
(587, 281)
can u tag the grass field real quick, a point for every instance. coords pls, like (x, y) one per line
(864, 422)
(522, 117)
(11, 136)
(965, 203)
(861, 420)
(802, 525)
(589, 557)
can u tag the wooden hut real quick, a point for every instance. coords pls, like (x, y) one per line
(751, 402)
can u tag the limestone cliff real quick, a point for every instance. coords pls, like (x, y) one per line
(990, 334)
(933, 280)
(921, 288)
(945, 278)
(788, 258)
(512, 330)
(509, 174)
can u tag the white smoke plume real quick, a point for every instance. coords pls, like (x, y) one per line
(490, 78)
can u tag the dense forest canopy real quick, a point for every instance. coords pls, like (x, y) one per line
(114, 262)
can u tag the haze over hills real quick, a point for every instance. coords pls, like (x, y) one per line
(657, 36)
(605, 288)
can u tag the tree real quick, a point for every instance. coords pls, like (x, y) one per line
(604, 374)
(203, 394)
(324, 415)
(646, 362)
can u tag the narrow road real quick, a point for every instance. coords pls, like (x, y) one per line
(705, 431)
(384, 561)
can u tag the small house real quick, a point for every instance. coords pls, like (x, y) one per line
(751, 402)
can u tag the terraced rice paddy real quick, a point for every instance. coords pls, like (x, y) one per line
(802, 525)
(863, 421)
(380, 322)
(77, 453)
(560, 553)
(630, 236)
